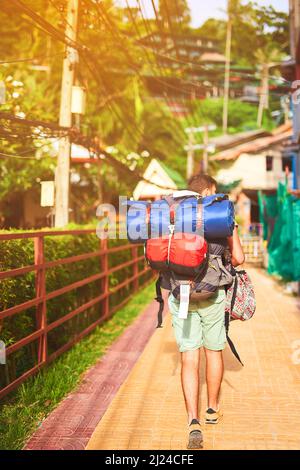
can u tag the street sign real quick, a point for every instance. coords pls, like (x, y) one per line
(192, 130)
(78, 100)
(211, 148)
(47, 193)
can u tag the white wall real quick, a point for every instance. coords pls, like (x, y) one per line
(251, 169)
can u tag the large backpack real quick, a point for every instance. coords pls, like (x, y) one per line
(177, 231)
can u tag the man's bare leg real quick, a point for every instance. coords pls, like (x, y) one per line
(214, 376)
(190, 382)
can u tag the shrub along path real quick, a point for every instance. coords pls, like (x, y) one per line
(261, 401)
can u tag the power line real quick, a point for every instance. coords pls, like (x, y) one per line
(54, 32)
(30, 59)
(48, 27)
(32, 122)
(155, 78)
(197, 64)
(58, 35)
(171, 27)
(162, 34)
(103, 13)
(76, 137)
(25, 152)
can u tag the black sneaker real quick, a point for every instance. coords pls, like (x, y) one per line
(212, 416)
(195, 435)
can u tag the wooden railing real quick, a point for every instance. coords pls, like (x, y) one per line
(40, 267)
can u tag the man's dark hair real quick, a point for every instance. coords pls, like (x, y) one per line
(200, 182)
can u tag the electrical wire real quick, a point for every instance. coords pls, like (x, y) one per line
(58, 35)
(54, 33)
(108, 21)
(48, 27)
(25, 152)
(158, 80)
(197, 64)
(34, 123)
(191, 124)
(30, 59)
(171, 27)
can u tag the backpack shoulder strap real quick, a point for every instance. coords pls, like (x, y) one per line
(231, 345)
(160, 300)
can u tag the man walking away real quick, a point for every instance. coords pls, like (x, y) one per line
(204, 327)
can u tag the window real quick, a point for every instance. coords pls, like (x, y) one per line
(287, 162)
(269, 163)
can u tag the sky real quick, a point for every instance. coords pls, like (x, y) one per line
(204, 9)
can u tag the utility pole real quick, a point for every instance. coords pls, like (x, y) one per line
(190, 154)
(205, 148)
(264, 95)
(227, 70)
(65, 119)
(192, 147)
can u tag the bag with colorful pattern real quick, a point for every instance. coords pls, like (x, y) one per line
(240, 299)
(240, 303)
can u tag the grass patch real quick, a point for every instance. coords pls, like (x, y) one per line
(23, 411)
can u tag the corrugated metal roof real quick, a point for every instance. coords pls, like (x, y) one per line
(278, 135)
(228, 141)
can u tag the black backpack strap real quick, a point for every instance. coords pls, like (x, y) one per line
(218, 198)
(231, 345)
(160, 300)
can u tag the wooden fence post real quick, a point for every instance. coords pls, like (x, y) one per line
(134, 251)
(40, 289)
(105, 279)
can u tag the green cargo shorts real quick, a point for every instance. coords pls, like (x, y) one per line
(204, 326)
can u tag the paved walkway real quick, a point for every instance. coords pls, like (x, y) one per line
(261, 401)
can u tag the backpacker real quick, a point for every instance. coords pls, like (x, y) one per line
(182, 235)
(177, 231)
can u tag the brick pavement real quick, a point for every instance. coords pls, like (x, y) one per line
(261, 401)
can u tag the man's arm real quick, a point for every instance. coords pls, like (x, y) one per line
(236, 249)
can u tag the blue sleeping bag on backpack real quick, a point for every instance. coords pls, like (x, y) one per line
(159, 218)
(137, 227)
(218, 214)
(212, 214)
(217, 217)
(186, 216)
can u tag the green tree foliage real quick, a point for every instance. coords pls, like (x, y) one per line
(242, 116)
(253, 27)
(176, 12)
(113, 69)
(119, 110)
